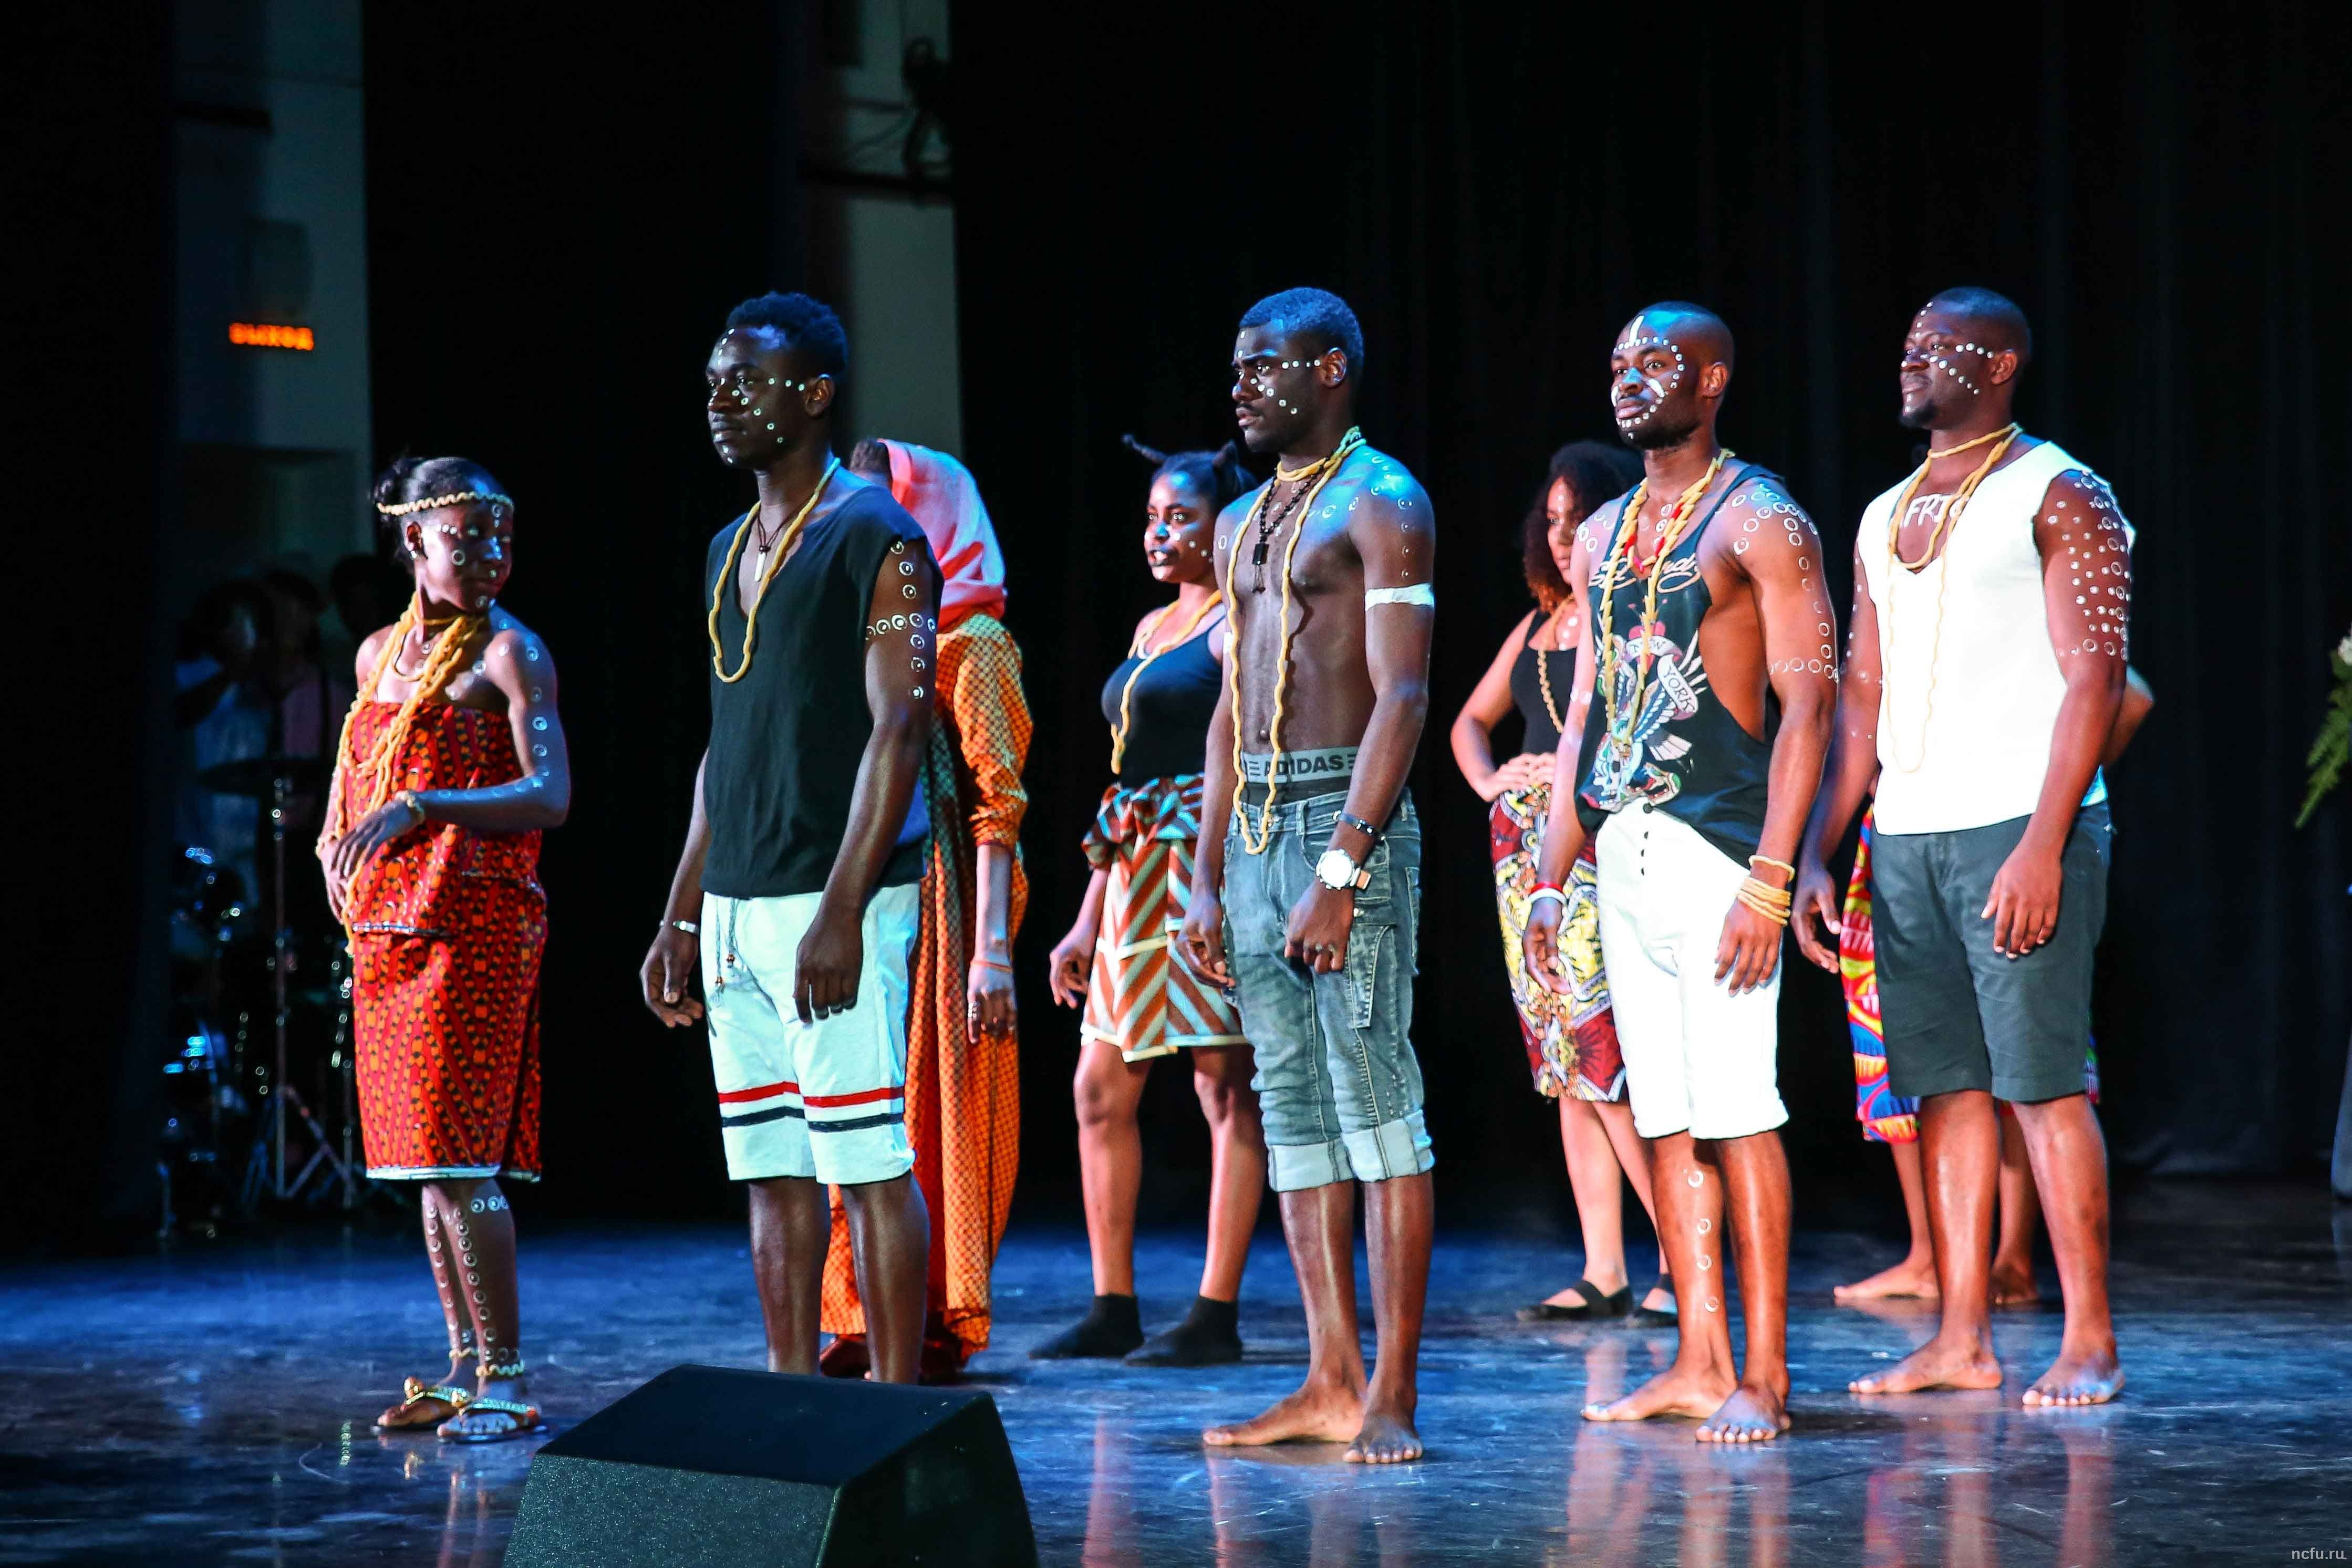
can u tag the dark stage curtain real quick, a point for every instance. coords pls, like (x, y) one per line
(88, 356)
(1495, 190)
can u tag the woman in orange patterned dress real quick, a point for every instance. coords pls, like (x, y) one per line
(451, 764)
(963, 1059)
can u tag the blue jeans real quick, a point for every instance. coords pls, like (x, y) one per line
(1339, 1087)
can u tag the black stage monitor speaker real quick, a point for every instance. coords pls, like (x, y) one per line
(708, 1465)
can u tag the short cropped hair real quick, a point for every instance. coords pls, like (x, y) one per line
(1317, 315)
(808, 327)
(1997, 311)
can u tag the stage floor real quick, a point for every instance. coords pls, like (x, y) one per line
(212, 1406)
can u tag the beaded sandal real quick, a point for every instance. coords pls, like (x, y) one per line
(414, 1392)
(522, 1419)
(525, 1419)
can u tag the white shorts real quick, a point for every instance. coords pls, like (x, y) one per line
(1697, 1057)
(827, 1099)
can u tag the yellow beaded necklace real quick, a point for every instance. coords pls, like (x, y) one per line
(2005, 435)
(1141, 647)
(1670, 533)
(726, 583)
(383, 762)
(1256, 843)
(1543, 677)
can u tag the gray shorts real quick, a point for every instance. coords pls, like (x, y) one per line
(1339, 1088)
(1958, 1015)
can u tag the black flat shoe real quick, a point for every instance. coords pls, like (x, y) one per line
(1655, 1317)
(1595, 1306)
(1112, 1329)
(1210, 1335)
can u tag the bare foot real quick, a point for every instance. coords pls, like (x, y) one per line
(2013, 1286)
(1753, 1414)
(1386, 1437)
(1914, 1276)
(1934, 1365)
(1313, 1415)
(2078, 1380)
(1674, 1392)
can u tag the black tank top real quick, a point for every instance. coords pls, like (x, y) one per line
(1680, 749)
(787, 739)
(1528, 688)
(1168, 711)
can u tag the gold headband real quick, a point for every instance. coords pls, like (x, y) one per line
(432, 502)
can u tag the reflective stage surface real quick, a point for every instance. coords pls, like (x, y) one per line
(213, 1406)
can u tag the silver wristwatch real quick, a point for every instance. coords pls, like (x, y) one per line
(1338, 870)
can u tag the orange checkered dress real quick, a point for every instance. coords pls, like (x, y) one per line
(964, 1100)
(447, 926)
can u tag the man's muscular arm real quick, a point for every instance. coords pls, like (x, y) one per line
(1852, 767)
(1784, 563)
(1203, 940)
(901, 665)
(1396, 537)
(2086, 596)
(1563, 829)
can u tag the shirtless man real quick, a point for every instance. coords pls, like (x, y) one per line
(1326, 570)
(1983, 676)
(804, 852)
(1700, 609)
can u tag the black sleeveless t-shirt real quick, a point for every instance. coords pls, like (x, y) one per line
(1168, 711)
(787, 739)
(1676, 747)
(1527, 674)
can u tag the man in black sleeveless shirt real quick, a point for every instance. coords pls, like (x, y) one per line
(1710, 656)
(798, 888)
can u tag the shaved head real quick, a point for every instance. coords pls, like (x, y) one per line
(1698, 331)
(1992, 319)
(1667, 373)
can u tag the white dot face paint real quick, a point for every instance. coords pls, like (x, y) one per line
(1638, 340)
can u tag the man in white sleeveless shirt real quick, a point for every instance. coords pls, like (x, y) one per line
(1983, 672)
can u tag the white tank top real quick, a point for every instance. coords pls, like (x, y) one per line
(1973, 751)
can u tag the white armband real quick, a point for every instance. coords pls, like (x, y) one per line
(1420, 594)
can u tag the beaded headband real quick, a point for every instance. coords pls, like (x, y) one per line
(431, 502)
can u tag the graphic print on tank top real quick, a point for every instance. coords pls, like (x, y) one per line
(1674, 745)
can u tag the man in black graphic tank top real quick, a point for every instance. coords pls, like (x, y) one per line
(1696, 742)
(797, 896)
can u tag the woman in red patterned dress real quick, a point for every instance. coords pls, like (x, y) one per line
(451, 763)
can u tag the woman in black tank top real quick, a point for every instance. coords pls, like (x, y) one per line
(1571, 1037)
(1119, 963)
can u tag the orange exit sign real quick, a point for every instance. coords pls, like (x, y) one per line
(255, 335)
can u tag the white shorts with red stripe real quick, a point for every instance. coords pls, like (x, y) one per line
(826, 1099)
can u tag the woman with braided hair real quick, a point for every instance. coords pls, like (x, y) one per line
(452, 761)
(1119, 963)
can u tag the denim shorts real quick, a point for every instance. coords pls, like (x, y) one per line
(1338, 1085)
